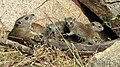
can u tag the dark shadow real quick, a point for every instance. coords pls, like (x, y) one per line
(107, 32)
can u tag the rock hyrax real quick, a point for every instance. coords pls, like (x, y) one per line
(23, 29)
(84, 31)
(97, 27)
(55, 29)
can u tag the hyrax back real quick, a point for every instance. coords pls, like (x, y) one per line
(38, 28)
(84, 31)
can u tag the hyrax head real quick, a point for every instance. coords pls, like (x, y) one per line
(25, 20)
(69, 22)
(51, 28)
(97, 27)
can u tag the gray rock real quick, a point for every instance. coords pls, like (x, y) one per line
(114, 6)
(108, 58)
(57, 9)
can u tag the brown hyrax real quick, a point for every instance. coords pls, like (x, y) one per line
(53, 30)
(84, 31)
(38, 28)
(23, 29)
(97, 27)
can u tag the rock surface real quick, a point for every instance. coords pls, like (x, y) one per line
(108, 58)
(113, 5)
(58, 9)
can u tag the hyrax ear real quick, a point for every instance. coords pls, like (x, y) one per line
(18, 22)
(65, 19)
(46, 24)
(74, 19)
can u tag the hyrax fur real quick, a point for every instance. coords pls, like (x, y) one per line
(38, 28)
(23, 30)
(84, 31)
(54, 30)
(97, 27)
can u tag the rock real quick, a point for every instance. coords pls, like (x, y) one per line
(114, 6)
(56, 9)
(96, 7)
(108, 58)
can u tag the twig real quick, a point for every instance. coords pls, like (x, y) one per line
(22, 48)
(84, 49)
(41, 4)
(26, 60)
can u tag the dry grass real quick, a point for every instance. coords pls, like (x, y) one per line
(44, 57)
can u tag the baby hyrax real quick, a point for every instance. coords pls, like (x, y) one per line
(23, 29)
(53, 30)
(84, 31)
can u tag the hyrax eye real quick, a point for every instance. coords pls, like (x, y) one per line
(99, 26)
(49, 28)
(70, 22)
(56, 28)
(93, 24)
(26, 18)
(19, 22)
